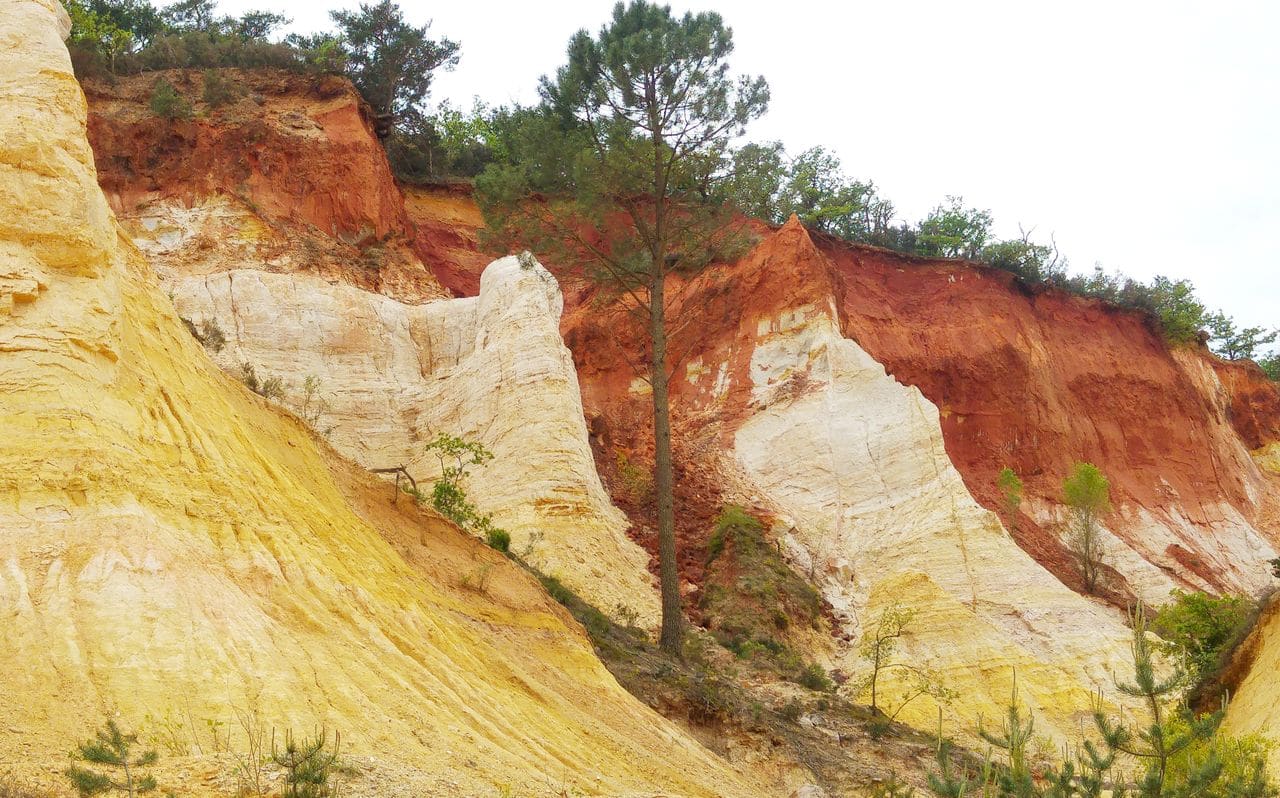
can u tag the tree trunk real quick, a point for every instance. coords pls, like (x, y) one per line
(672, 638)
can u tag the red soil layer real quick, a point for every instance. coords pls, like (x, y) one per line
(301, 147)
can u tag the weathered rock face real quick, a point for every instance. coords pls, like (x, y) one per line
(388, 377)
(1037, 380)
(171, 545)
(289, 177)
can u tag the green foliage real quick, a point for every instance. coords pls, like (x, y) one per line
(1175, 306)
(1087, 494)
(390, 61)
(754, 180)
(815, 677)
(1271, 366)
(498, 539)
(209, 334)
(556, 589)
(818, 192)
(448, 494)
(166, 102)
(624, 150)
(751, 598)
(1198, 628)
(1233, 344)
(637, 482)
(1167, 734)
(308, 764)
(732, 518)
(219, 89)
(954, 231)
(879, 648)
(1010, 485)
(113, 749)
(267, 387)
(1014, 739)
(1176, 754)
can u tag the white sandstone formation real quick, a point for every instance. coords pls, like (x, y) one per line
(855, 463)
(391, 376)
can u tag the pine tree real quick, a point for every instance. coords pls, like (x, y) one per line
(1160, 740)
(307, 764)
(615, 172)
(113, 749)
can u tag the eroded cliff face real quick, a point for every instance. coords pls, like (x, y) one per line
(864, 400)
(287, 176)
(171, 545)
(388, 377)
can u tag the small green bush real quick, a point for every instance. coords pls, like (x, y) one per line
(498, 539)
(1198, 628)
(167, 103)
(556, 589)
(791, 711)
(731, 518)
(219, 90)
(814, 677)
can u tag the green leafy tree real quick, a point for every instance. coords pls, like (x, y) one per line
(1087, 494)
(1010, 485)
(390, 61)
(1271, 366)
(755, 180)
(879, 647)
(113, 749)
(257, 25)
(95, 29)
(1198, 627)
(192, 15)
(819, 193)
(449, 496)
(1234, 344)
(630, 134)
(954, 231)
(1174, 303)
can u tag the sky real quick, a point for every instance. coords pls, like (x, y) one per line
(1143, 136)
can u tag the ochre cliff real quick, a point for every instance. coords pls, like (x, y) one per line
(171, 545)
(289, 176)
(863, 399)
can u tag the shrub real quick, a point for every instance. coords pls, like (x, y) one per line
(166, 102)
(267, 387)
(1088, 495)
(815, 677)
(731, 518)
(219, 89)
(791, 711)
(556, 589)
(498, 539)
(1199, 628)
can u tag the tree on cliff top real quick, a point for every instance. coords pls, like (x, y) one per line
(631, 135)
(390, 61)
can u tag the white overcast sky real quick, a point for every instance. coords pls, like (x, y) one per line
(1144, 135)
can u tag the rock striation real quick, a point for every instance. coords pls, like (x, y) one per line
(172, 546)
(388, 377)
